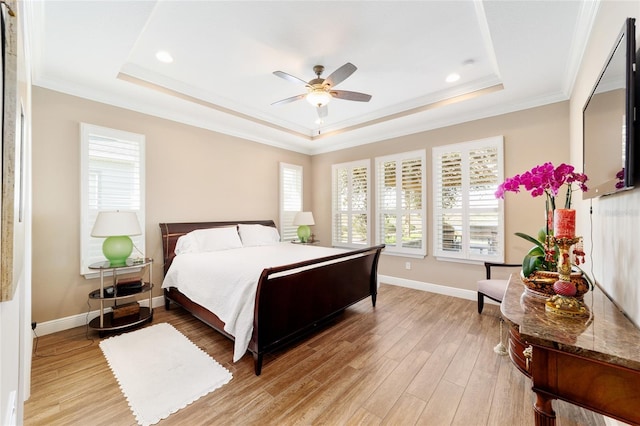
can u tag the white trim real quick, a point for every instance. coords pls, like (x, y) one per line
(411, 255)
(430, 287)
(81, 320)
(581, 36)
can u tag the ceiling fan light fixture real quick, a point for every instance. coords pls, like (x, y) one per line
(318, 97)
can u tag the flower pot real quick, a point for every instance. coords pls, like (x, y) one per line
(540, 283)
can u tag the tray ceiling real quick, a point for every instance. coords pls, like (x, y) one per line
(510, 55)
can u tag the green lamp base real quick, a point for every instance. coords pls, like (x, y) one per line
(117, 249)
(304, 232)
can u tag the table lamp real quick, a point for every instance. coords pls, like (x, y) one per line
(303, 220)
(117, 226)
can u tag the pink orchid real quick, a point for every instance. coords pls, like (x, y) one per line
(545, 179)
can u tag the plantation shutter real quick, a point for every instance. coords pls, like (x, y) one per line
(350, 204)
(484, 207)
(290, 199)
(112, 168)
(468, 219)
(448, 193)
(400, 189)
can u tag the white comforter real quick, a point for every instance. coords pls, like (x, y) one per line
(225, 281)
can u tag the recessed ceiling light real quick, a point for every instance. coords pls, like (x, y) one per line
(452, 77)
(164, 56)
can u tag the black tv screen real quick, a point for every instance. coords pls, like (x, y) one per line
(608, 121)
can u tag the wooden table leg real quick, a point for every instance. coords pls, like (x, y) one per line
(543, 409)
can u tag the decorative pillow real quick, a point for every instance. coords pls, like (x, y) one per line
(215, 239)
(258, 235)
(186, 244)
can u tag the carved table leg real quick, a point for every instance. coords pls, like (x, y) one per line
(543, 410)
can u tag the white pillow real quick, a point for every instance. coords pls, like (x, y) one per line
(186, 244)
(258, 235)
(215, 239)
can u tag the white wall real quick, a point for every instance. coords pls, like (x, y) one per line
(15, 315)
(612, 232)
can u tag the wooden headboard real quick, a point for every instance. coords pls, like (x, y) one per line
(172, 231)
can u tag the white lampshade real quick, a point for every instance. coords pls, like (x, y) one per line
(116, 223)
(318, 97)
(304, 218)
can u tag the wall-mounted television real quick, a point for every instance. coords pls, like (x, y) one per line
(609, 136)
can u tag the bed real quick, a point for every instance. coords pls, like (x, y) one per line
(290, 301)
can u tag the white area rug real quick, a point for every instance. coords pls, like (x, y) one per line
(161, 371)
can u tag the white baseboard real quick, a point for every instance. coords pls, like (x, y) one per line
(432, 288)
(80, 320)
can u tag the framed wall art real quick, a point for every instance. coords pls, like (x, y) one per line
(8, 109)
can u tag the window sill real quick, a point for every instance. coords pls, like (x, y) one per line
(468, 261)
(109, 273)
(410, 255)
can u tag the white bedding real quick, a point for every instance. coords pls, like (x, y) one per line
(225, 281)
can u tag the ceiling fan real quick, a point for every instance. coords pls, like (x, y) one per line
(320, 90)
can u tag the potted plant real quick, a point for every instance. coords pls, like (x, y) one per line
(540, 264)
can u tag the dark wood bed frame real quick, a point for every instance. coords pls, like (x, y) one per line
(292, 305)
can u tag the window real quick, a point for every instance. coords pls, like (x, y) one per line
(350, 204)
(401, 214)
(112, 178)
(290, 199)
(468, 219)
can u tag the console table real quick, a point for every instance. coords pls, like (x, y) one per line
(593, 362)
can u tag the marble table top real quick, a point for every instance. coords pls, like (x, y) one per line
(606, 334)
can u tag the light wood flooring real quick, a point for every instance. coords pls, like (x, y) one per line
(417, 358)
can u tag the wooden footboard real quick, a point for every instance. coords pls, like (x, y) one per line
(292, 300)
(289, 306)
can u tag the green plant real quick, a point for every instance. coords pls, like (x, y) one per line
(538, 257)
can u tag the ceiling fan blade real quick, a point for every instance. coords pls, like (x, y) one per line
(339, 75)
(288, 100)
(323, 111)
(351, 96)
(290, 78)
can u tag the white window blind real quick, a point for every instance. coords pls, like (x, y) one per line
(112, 178)
(290, 199)
(350, 204)
(401, 210)
(468, 219)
